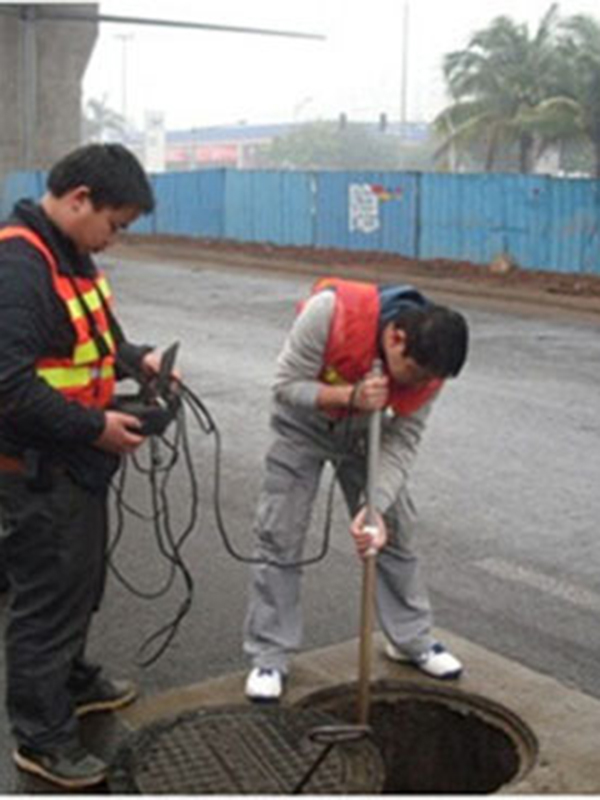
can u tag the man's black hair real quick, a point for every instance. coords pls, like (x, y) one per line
(437, 338)
(112, 173)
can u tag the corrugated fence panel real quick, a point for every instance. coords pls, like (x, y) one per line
(187, 203)
(298, 190)
(574, 227)
(542, 222)
(462, 217)
(21, 184)
(367, 211)
(525, 218)
(268, 206)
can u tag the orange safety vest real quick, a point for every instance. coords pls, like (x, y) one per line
(86, 377)
(353, 344)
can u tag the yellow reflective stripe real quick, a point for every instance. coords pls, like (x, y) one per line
(73, 377)
(87, 352)
(91, 299)
(66, 377)
(102, 284)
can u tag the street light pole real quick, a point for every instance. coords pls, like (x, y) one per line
(125, 39)
(404, 82)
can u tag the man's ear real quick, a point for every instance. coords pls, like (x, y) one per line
(78, 197)
(394, 337)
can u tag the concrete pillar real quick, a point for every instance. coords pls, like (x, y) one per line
(42, 63)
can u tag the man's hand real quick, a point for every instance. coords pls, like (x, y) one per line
(372, 393)
(368, 540)
(119, 435)
(151, 365)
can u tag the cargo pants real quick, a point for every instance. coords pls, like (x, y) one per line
(303, 442)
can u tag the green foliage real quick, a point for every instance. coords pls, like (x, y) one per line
(322, 145)
(512, 90)
(497, 83)
(101, 123)
(579, 85)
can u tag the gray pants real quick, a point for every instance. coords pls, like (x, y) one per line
(303, 443)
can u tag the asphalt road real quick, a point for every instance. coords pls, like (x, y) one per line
(506, 485)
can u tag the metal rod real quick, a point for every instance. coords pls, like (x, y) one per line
(329, 736)
(369, 565)
(366, 635)
(313, 768)
(77, 16)
(373, 455)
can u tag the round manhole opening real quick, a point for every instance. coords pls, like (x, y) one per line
(438, 740)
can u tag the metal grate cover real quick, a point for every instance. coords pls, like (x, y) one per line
(242, 750)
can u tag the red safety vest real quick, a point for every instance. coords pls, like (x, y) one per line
(353, 344)
(86, 377)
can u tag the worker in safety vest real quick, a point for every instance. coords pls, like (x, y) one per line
(324, 392)
(61, 350)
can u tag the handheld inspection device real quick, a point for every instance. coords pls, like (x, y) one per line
(157, 402)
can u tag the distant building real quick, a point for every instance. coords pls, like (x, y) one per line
(239, 146)
(235, 146)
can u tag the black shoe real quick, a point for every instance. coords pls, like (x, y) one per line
(70, 766)
(104, 695)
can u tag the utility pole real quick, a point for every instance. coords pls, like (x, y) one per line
(404, 81)
(125, 39)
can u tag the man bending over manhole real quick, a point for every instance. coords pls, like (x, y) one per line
(324, 393)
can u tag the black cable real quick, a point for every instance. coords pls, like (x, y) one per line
(120, 508)
(169, 543)
(168, 631)
(204, 418)
(208, 424)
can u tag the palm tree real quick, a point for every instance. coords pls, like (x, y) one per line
(497, 82)
(101, 122)
(572, 114)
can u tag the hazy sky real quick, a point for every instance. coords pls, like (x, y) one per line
(200, 78)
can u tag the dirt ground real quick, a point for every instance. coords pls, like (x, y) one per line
(576, 293)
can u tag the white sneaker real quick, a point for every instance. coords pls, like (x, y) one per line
(436, 662)
(264, 685)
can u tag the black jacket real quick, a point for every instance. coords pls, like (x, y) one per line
(34, 418)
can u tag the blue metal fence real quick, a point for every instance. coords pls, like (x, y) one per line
(542, 222)
(20, 184)
(367, 211)
(188, 203)
(269, 206)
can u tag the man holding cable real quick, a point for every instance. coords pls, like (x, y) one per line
(61, 350)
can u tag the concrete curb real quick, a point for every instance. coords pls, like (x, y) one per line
(565, 722)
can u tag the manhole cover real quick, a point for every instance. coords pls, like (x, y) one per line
(243, 750)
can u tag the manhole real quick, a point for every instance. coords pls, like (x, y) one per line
(438, 740)
(246, 750)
